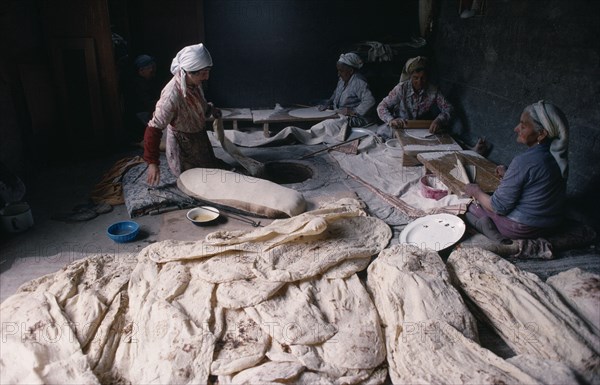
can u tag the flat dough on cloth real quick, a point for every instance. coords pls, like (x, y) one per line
(410, 285)
(581, 290)
(243, 344)
(251, 241)
(38, 344)
(292, 319)
(527, 313)
(269, 372)
(161, 317)
(246, 292)
(359, 342)
(169, 312)
(65, 312)
(246, 193)
(437, 353)
(286, 250)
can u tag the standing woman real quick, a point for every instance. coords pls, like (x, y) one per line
(183, 110)
(529, 202)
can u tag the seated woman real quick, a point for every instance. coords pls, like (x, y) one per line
(529, 201)
(352, 99)
(413, 98)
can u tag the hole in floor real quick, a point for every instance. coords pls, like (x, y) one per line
(287, 172)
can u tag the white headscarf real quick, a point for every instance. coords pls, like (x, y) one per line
(411, 65)
(553, 121)
(351, 59)
(190, 58)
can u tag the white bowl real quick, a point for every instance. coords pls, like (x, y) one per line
(394, 148)
(202, 215)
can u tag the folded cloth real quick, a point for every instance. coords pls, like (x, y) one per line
(110, 190)
(539, 248)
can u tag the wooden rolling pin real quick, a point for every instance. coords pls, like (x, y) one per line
(418, 123)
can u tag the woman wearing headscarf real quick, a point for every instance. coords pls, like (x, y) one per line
(413, 98)
(182, 109)
(352, 97)
(529, 201)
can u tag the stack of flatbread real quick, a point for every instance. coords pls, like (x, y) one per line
(277, 304)
(284, 304)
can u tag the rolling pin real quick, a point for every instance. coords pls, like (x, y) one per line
(418, 123)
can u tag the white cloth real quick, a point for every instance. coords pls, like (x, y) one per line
(190, 58)
(558, 129)
(351, 59)
(379, 52)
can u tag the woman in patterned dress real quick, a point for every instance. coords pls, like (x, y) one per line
(413, 98)
(182, 109)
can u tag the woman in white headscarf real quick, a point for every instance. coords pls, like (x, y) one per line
(182, 109)
(413, 98)
(352, 99)
(352, 96)
(529, 202)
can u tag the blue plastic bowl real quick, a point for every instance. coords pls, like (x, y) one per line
(122, 232)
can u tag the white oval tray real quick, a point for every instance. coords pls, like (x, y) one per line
(434, 232)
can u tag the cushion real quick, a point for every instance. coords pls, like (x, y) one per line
(246, 193)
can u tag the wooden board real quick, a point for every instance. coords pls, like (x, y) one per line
(238, 114)
(282, 116)
(234, 115)
(412, 146)
(442, 163)
(312, 113)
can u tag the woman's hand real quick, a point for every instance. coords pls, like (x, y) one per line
(398, 123)
(473, 190)
(153, 174)
(500, 171)
(346, 111)
(214, 111)
(434, 127)
(481, 197)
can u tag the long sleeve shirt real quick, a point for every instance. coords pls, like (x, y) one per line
(405, 103)
(184, 114)
(532, 191)
(356, 95)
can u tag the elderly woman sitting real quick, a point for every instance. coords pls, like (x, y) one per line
(413, 98)
(529, 202)
(352, 99)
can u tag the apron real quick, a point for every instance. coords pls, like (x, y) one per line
(190, 150)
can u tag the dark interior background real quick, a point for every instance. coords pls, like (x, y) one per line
(520, 52)
(284, 51)
(273, 51)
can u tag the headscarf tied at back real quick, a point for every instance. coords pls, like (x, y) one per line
(351, 59)
(413, 64)
(553, 120)
(190, 58)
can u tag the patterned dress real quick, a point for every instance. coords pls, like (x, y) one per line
(188, 145)
(406, 103)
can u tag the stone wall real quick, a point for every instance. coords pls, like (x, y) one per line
(516, 53)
